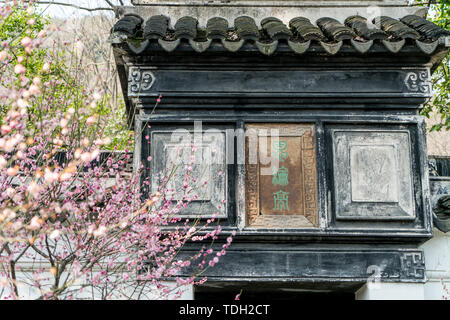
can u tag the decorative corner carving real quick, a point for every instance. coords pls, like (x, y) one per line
(413, 265)
(418, 81)
(140, 80)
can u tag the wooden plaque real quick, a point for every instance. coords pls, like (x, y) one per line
(281, 178)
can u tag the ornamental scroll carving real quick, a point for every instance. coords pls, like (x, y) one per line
(418, 81)
(140, 81)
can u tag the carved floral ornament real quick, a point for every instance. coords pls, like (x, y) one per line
(140, 80)
(418, 81)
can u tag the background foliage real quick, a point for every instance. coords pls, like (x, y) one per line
(439, 13)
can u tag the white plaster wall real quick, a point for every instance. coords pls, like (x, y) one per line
(437, 261)
(29, 292)
(391, 291)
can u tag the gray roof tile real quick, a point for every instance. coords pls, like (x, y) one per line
(299, 35)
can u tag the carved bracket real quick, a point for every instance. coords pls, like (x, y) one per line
(413, 265)
(139, 81)
(418, 81)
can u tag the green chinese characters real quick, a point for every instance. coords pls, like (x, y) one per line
(280, 176)
(281, 200)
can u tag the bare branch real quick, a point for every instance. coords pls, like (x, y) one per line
(110, 3)
(112, 8)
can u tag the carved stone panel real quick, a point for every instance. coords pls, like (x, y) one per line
(372, 175)
(188, 168)
(150, 82)
(281, 176)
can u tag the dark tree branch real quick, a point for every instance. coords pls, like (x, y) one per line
(77, 7)
(111, 8)
(110, 4)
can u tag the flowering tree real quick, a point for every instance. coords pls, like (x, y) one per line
(74, 224)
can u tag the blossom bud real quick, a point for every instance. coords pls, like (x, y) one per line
(3, 55)
(50, 176)
(91, 120)
(37, 81)
(35, 223)
(18, 69)
(10, 192)
(77, 153)
(55, 234)
(63, 123)
(53, 271)
(34, 90)
(8, 213)
(46, 67)
(12, 171)
(26, 42)
(100, 231)
(26, 94)
(85, 157)
(3, 162)
(95, 154)
(65, 176)
(33, 189)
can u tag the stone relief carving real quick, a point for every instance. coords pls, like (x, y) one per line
(140, 80)
(413, 265)
(377, 182)
(418, 81)
(380, 171)
(170, 159)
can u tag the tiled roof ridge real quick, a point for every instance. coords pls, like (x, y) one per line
(298, 33)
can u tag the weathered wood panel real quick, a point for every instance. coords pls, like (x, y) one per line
(281, 176)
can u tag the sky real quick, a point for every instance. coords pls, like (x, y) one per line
(64, 12)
